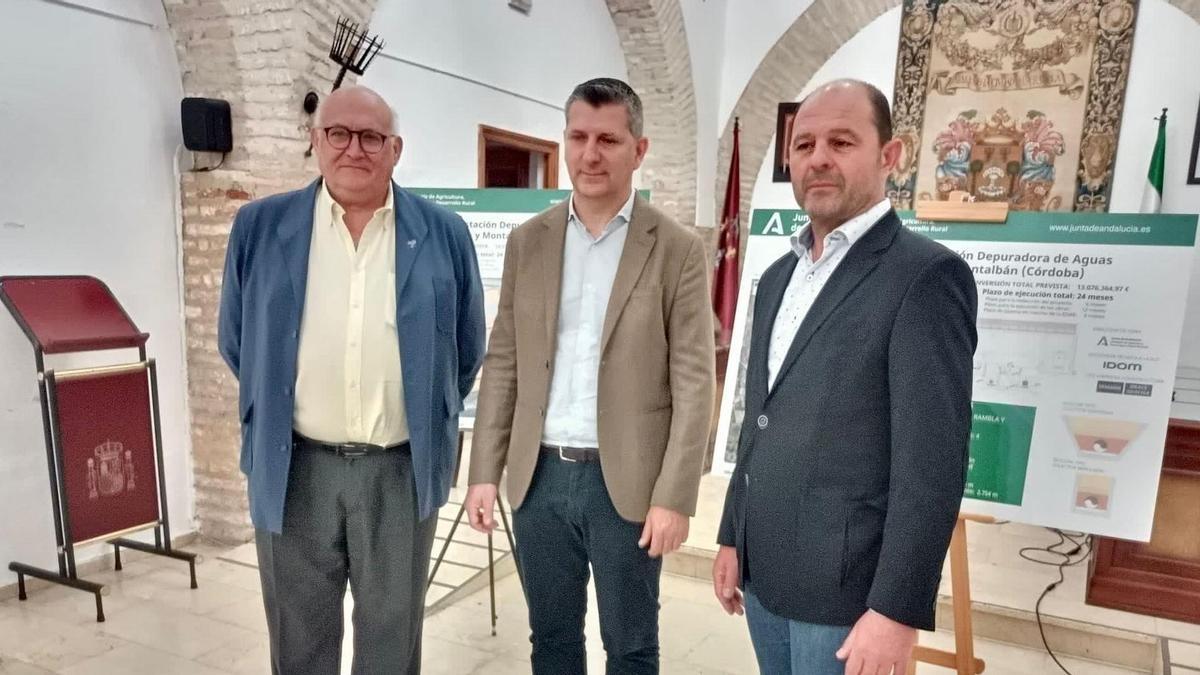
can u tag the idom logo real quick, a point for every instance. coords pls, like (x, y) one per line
(1122, 365)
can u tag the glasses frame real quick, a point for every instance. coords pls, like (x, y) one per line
(356, 133)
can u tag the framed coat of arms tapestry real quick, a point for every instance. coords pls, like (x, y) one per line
(1011, 100)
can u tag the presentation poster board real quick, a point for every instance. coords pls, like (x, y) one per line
(1080, 321)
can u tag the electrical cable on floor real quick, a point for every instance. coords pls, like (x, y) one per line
(1080, 542)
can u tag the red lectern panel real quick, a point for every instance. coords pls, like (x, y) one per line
(70, 314)
(107, 446)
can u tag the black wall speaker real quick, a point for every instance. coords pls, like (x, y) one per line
(206, 125)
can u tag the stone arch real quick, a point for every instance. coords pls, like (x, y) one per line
(655, 43)
(810, 41)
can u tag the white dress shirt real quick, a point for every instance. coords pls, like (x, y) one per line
(809, 277)
(348, 373)
(589, 268)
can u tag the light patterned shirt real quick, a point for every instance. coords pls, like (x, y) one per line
(809, 277)
(348, 373)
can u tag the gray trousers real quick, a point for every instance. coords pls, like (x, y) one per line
(346, 520)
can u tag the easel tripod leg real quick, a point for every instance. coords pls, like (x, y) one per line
(446, 545)
(492, 581)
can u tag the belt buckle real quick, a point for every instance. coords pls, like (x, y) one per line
(564, 457)
(351, 450)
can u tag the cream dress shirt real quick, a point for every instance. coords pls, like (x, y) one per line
(348, 372)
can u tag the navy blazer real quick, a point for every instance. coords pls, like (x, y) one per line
(439, 320)
(850, 471)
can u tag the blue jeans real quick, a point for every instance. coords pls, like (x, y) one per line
(566, 524)
(786, 647)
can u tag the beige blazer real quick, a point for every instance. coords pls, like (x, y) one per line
(656, 381)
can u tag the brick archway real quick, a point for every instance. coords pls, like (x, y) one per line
(262, 58)
(782, 74)
(660, 70)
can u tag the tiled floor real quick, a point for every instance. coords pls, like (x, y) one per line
(157, 625)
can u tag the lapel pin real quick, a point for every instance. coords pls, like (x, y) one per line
(412, 243)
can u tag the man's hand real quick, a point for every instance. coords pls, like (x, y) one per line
(725, 580)
(877, 646)
(481, 497)
(664, 532)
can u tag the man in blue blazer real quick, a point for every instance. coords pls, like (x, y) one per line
(352, 317)
(852, 459)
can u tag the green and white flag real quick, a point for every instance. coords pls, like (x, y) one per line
(1152, 197)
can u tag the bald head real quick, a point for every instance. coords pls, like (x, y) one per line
(361, 99)
(881, 112)
(357, 147)
(840, 153)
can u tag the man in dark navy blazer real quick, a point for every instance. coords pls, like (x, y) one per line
(852, 459)
(352, 317)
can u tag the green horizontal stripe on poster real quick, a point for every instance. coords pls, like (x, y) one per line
(1131, 229)
(497, 200)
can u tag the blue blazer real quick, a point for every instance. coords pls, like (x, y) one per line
(439, 319)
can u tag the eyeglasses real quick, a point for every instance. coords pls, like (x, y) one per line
(370, 141)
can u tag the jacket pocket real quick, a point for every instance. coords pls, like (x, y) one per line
(821, 531)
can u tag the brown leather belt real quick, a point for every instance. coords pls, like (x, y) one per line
(348, 449)
(569, 454)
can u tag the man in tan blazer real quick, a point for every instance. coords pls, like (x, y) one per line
(596, 394)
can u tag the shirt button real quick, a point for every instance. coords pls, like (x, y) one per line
(762, 421)
(287, 391)
(283, 447)
(809, 277)
(295, 334)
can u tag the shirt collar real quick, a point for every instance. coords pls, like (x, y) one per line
(852, 230)
(331, 211)
(623, 216)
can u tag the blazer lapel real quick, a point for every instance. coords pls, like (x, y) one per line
(639, 242)
(411, 229)
(295, 238)
(858, 263)
(766, 305)
(551, 242)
